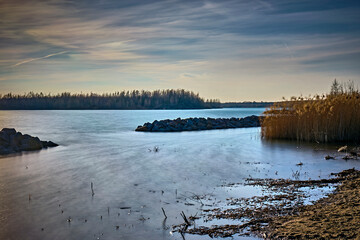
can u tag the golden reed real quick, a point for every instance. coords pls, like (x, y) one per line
(334, 117)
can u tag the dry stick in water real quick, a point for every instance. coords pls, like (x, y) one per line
(182, 235)
(185, 219)
(164, 213)
(92, 189)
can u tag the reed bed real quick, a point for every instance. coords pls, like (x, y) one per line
(334, 117)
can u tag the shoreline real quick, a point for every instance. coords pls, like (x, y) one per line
(283, 213)
(334, 216)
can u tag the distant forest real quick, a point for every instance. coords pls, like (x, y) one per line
(247, 104)
(159, 99)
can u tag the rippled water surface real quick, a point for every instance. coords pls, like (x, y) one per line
(132, 182)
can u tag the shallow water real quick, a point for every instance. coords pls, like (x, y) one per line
(102, 147)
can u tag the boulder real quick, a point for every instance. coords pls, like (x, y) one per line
(9, 131)
(5, 150)
(12, 142)
(142, 129)
(47, 144)
(4, 137)
(15, 139)
(30, 144)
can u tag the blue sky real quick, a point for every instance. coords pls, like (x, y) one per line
(230, 50)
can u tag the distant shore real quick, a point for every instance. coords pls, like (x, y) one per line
(3, 106)
(125, 100)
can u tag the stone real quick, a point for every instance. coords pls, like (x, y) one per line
(47, 144)
(15, 139)
(9, 131)
(12, 142)
(141, 129)
(4, 137)
(4, 150)
(31, 144)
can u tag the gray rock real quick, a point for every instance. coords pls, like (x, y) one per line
(5, 150)
(142, 129)
(9, 131)
(12, 142)
(31, 144)
(4, 137)
(47, 144)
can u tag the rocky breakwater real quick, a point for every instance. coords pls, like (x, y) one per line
(13, 142)
(196, 124)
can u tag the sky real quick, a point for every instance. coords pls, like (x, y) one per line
(232, 50)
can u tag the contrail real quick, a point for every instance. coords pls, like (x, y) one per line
(35, 59)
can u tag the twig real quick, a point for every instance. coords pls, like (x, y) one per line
(92, 189)
(164, 213)
(182, 235)
(185, 219)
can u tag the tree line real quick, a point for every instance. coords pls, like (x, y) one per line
(247, 104)
(158, 99)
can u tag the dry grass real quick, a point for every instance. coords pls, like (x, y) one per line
(329, 118)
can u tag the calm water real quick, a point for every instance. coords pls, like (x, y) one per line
(131, 181)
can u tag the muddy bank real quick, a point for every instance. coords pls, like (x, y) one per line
(334, 217)
(283, 214)
(196, 124)
(12, 141)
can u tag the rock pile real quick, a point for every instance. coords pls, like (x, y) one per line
(196, 124)
(13, 142)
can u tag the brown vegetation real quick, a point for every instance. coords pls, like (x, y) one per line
(334, 117)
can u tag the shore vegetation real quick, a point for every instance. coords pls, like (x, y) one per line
(332, 117)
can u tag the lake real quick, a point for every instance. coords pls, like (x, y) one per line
(135, 174)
